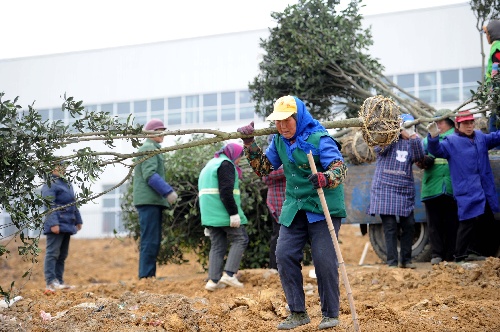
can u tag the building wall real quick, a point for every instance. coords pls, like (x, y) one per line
(434, 53)
(197, 65)
(426, 39)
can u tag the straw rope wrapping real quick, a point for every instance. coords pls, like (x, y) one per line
(355, 149)
(381, 121)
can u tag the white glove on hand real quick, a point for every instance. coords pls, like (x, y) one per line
(432, 128)
(235, 221)
(172, 197)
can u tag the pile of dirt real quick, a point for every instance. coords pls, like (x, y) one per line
(108, 296)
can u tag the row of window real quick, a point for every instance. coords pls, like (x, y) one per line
(439, 87)
(434, 87)
(174, 111)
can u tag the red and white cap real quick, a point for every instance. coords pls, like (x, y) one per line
(464, 116)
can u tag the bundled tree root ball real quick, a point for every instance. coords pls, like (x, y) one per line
(355, 149)
(381, 121)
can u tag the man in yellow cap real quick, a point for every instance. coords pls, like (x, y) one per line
(302, 216)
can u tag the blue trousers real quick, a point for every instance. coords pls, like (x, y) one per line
(273, 242)
(55, 256)
(391, 231)
(219, 238)
(289, 255)
(150, 221)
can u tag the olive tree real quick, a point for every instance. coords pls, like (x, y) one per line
(31, 147)
(321, 54)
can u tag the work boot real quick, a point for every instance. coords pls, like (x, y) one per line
(328, 322)
(295, 319)
(436, 260)
(474, 257)
(408, 266)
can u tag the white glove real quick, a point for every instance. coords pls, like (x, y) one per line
(172, 197)
(432, 128)
(235, 221)
(206, 231)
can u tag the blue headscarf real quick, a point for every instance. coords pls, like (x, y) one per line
(306, 126)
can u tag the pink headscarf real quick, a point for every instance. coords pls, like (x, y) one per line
(233, 151)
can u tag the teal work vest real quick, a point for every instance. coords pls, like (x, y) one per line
(213, 212)
(300, 194)
(495, 47)
(437, 180)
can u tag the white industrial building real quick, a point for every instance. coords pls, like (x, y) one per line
(203, 82)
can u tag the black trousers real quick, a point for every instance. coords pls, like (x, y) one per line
(442, 219)
(477, 235)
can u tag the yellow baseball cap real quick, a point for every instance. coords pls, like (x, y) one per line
(284, 107)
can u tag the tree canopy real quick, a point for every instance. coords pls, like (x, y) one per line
(321, 54)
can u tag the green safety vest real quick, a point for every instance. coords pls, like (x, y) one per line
(213, 212)
(300, 194)
(437, 180)
(495, 47)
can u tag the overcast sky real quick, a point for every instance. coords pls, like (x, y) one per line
(37, 27)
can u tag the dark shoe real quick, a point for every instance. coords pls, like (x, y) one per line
(474, 257)
(436, 260)
(408, 266)
(328, 322)
(295, 319)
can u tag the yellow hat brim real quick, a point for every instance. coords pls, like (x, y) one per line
(279, 116)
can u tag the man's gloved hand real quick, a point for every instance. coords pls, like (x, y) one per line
(172, 197)
(247, 130)
(432, 128)
(318, 180)
(234, 221)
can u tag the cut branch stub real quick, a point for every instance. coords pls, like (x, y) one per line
(381, 121)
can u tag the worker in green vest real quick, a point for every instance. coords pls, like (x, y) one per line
(492, 31)
(437, 196)
(302, 217)
(151, 195)
(222, 216)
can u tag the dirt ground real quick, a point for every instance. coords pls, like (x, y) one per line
(108, 296)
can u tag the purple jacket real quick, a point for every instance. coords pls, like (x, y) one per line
(60, 193)
(393, 187)
(470, 169)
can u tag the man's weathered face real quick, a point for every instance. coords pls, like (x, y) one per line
(466, 127)
(443, 126)
(287, 127)
(158, 139)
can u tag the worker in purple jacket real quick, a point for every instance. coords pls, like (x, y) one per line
(473, 185)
